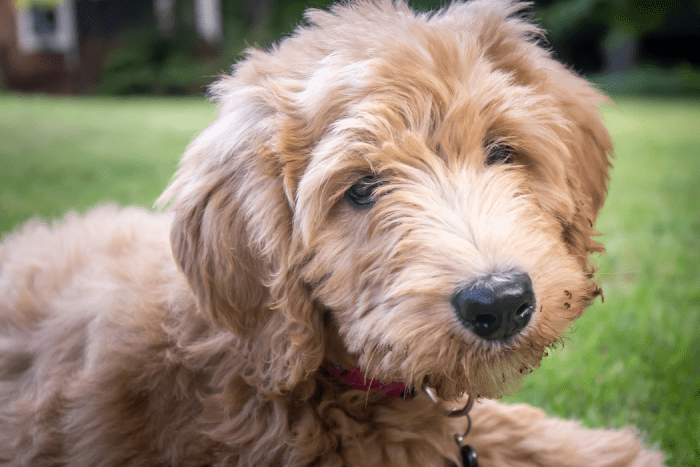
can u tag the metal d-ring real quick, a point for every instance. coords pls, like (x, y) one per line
(455, 413)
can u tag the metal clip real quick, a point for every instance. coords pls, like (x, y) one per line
(469, 458)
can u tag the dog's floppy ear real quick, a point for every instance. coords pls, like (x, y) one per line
(210, 234)
(232, 200)
(590, 149)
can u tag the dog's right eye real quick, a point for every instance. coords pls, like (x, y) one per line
(499, 153)
(361, 194)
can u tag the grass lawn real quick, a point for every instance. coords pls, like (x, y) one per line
(634, 359)
(58, 154)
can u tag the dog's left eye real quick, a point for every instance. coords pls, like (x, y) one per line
(498, 153)
(361, 194)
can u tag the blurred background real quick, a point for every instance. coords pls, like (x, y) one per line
(175, 47)
(99, 99)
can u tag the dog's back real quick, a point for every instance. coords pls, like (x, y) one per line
(62, 288)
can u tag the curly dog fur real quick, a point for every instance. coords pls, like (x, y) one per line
(199, 337)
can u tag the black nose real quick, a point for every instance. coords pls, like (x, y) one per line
(496, 306)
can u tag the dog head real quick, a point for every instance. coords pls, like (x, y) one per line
(411, 192)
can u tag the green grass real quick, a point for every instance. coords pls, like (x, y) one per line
(58, 154)
(634, 359)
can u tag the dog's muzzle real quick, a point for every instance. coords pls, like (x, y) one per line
(497, 306)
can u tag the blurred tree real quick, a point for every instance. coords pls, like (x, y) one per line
(612, 35)
(676, 39)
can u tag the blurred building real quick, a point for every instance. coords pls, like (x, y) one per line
(60, 47)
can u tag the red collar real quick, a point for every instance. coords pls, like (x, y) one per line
(358, 380)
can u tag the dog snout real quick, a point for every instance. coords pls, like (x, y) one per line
(497, 306)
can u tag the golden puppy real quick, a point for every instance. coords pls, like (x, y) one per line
(391, 205)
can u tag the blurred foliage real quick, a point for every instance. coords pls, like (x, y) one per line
(584, 32)
(148, 63)
(631, 39)
(634, 16)
(681, 80)
(23, 4)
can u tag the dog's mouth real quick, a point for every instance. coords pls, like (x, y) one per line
(489, 369)
(486, 380)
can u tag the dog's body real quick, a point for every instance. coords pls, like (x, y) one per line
(363, 179)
